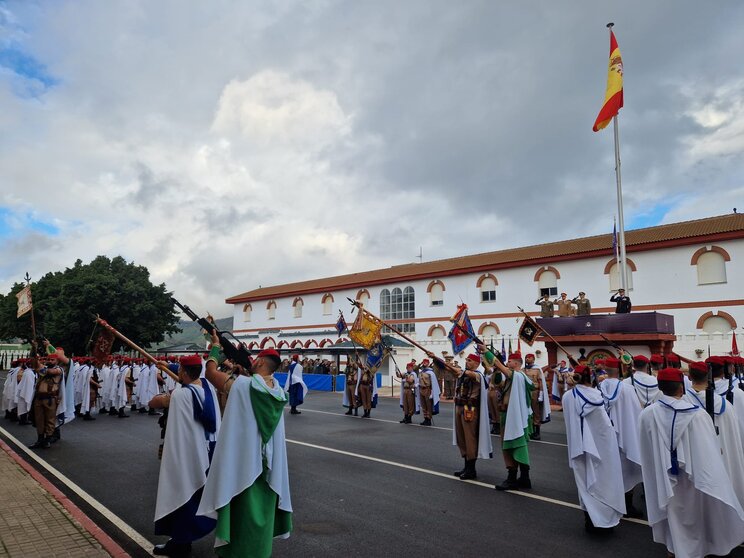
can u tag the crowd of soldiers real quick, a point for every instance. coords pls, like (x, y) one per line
(565, 307)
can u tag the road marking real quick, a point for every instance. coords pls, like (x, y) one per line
(85, 496)
(420, 426)
(450, 477)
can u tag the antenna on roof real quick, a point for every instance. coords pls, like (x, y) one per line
(421, 252)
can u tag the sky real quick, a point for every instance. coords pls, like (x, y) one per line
(232, 145)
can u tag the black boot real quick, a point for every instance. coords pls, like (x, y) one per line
(535, 432)
(134, 407)
(464, 468)
(38, 443)
(630, 509)
(294, 411)
(103, 411)
(469, 470)
(366, 414)
(524, 476)
(153, 413)
(511, 480)
(121, 413)
(405, 420)
(175, 550)
(142, 410)
(350, 411)
(356, 411)
(88, 416)
(113, 412)
(7, 415)
(77, 410)
(23, 419)
(56, 435)
(588, 525)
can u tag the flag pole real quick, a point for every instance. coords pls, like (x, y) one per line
(622, 267)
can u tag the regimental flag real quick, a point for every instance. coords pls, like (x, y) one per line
(102, 348)
(528, 330)
(614, 93)
(24, 301)
(366, 329)
(503, 348)
(614, 241)
(341, 324)
(734, 346)
(375, 355)
(510, 349)
(461, 335)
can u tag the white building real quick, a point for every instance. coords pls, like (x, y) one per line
(690, 270)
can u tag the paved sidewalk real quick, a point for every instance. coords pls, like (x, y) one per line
(32, 520)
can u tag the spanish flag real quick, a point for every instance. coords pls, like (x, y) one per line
(614, 94)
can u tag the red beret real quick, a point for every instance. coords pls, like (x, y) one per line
(583, 371)
(670, 375)
(191, 360)
(599, 362)
(529, 355)
(425, 362)
(672, 358)
(474, 357)
(612, 362)
(270, 353)
(720, 361)
(657, 359)
(516, 356)
(295, 357)
(640, 358)
(701, 366)
(409, 365)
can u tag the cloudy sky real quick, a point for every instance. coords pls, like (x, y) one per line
(227, 145)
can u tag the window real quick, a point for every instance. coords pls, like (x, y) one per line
(548, 283)
(327, 304)
(488, 332)
(363, 297)
(488, 290)
(298, 305)
(247, 309)
(612, 270)
(271, 310)
(399, 305)
(711, 268)
(716, 324)
(437, 332)
(436, 293)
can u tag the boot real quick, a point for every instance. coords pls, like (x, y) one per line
(535, 432)
(175, 550)
(350, 411)
(356, 411)
(524, 476)
(38, 443)
(511, 480)
(464, 468)
(134, 407)
(77, 410)
(23, 419)
(7, 415)
(121, 413)
(294, 411)
(56, 435)
(469, 470)
(405, 420)
(427, 422)
(153, 413)
(588, 525)
(103, 411)
(112, 411)
(630, 509)
(87, 416)
(366, 414)
(14, 415)
(142, 410)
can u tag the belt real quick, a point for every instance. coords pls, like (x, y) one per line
(462, 401)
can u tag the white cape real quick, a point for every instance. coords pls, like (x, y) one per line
(25, 391)
(435, 391)
(722, 387)
(518, 412)
(296, 378)
(646, 387)
(485, 445)
(624, 409)
(9, 390)
(237, 460)
(183, 469)
(694, 513)
(543, 396)
(594, 456)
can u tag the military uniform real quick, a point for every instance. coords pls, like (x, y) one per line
(622, 302)
(46, 400)
(365, 390)
(583, 306)
(546, 307)
(469, 401)
(352, 374)
(408, 395)
(565, 307)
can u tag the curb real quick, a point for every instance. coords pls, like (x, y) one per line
(108, 544)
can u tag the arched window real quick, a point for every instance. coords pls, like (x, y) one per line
(487, 285)
(437, 332)
(711, 264)
(436, 293)
(399, 305)
(613, 270)
(268, 343)
(247, 309)
(298, 305)
(327, 301)
(547, 280)
(716, 322)
(488, 331)
(271, 310)
(363, 297)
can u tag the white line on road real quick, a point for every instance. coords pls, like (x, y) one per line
(85, 496)
(434, 427)
(446, 476)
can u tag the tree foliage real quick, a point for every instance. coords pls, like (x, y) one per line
(66, 302)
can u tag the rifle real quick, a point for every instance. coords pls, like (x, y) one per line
(710, 394)
(239, 355)
(622, 351)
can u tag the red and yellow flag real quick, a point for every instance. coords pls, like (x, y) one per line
(614, 94)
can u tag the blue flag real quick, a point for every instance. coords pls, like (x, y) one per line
(462, 334)
(375, 355)
(341, 325)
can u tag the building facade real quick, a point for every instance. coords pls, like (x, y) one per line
(690, 270)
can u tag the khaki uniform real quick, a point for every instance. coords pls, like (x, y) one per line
(427, 403)
(46, 400)
(409, 394)
(365, 389)
(534, 375)
(449, 384)
(467, 415)
(351, 381)
(565, 308)
(583, 306)
(546, 308)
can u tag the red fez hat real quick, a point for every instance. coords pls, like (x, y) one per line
(52, 356)
(191, 360)
(612, 362)
(529, 355)
(715, 360)
(270, 353)
(640, 358)
(516, 356)
(672, 358)
(474, 357)
(657, 359)
(425, 362)
(700, 366)
(582, 370)
(670, 375)
(409, 365)
(295, 357)
(599, 362)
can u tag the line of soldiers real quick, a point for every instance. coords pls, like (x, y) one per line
(564, 307)
(647, 422)
(360, 388)
(419, 392)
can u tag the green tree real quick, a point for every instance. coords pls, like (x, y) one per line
(65, 303)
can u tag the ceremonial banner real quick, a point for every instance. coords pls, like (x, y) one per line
(528, 330)
(102, 347)
(24, 301)
(734, 346)
(341, 325)
(461, 335)
(366, 329)
(375, 355)
(614, 93)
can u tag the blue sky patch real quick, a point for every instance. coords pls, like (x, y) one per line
(654, 216)
(15, 224)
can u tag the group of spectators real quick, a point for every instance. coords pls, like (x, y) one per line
(312, 366)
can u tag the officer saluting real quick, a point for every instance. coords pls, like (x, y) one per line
(623, 302)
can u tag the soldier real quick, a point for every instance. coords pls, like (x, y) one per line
(46, 400)
(352, 378)
(471, 410)
(565, 307)
(645, 384)
(366, 389)
(583, 306)
(623, 302)
(540, 398)
(546, 306)
(408, 392)
(449, 377)
(428, 388)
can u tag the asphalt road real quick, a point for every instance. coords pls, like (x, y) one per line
(361, 487)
